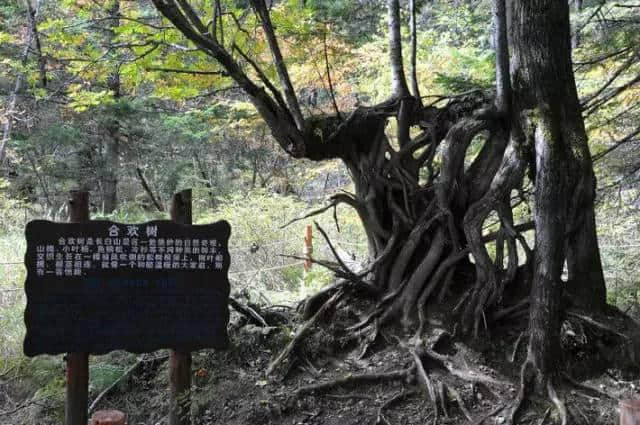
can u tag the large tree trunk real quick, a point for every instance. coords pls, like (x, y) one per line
(586, 285)
(546, 105)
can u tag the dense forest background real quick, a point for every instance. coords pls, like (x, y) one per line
(109, 97)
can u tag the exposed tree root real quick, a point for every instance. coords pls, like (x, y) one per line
(399, 375)
(545, 416)
(370, 339)
(587, 388)
(461, 405)
(558, 402)
(248, 312)
(350, 396)
(488, 415)
(428, 385)
(395, 399)
(527, 384)
(461, 372)
(300, 334)
(596, 324)
(514, 353)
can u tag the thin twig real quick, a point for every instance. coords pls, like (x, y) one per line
(126, 374)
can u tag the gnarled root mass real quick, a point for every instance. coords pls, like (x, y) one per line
(437, 376)
(424, 203)
(439, 212)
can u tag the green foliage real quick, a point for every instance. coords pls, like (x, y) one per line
(102, 375)
(13, 210)
(475, 70)
(316, 279)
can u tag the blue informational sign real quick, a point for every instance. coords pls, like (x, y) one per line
(99, 286)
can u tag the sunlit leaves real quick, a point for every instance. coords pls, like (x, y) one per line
(81, 100)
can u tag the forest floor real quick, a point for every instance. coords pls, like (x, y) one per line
(327, 382)
(230, 387)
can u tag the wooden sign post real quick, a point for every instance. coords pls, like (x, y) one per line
(97, 286)
(308, 248)
(180, 361)
(629, 412)
(77, 397)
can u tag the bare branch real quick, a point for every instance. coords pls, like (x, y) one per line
(192, 16)
(286, 133)
(187, 71)
(263, 77)
(289, 92)
(610, 81)
(627, 139)
(326, 62)
(611, 95)
(336, 199)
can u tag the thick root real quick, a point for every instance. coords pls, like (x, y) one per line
(527, 383)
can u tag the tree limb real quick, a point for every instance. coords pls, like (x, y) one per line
(289, 92)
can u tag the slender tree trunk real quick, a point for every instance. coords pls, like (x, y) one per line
(414, 44)
(111, 170)
(576, 37)
(145, 185)
(32, 34)
(550, 217)
(204, 175)
(503, 85)
(398, 79)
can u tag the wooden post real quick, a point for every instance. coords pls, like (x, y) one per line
(108, 417)
(308, 248)
(629, 412)
(75, 412)
(180, 362)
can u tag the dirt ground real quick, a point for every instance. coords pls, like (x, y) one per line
(230, 387)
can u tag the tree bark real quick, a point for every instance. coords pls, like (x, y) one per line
(32, 34)
(289, 92)
(546, 106)
(145, 185)
(111, 169)
(503, 85)
(414, 45)
(398, 79)
(576, 36)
